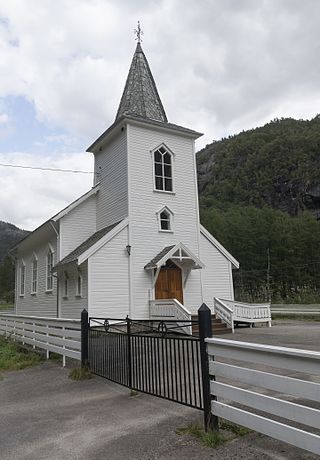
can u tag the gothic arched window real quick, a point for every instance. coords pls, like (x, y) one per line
(49, 283)
(162, 169)
(165, 219)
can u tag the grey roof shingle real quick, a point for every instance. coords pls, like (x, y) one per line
(73, 256)
(146, 121)
(140, 96)
(155, 260)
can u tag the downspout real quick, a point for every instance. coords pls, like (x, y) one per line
(56, 276)
(198, 212)
(130, 263)
(14, 258)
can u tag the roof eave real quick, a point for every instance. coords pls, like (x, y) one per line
(219, 246)
(103, 138)
(112, 130)
(14, 248)
(167, 127)
(76, 203)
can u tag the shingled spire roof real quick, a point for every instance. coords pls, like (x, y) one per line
(140, 97)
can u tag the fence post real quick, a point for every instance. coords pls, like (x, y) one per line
(129, 351)
(205, 331)
(84, 337)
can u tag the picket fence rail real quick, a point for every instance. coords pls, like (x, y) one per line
(62, 336)
(228, 392)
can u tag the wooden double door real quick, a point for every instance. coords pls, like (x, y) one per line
(169, 284)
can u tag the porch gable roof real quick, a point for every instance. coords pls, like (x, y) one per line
(169, 253)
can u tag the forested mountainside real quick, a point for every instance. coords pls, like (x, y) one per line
(260, 197)
(9, 236)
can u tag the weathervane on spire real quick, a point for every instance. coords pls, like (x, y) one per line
(138, 32)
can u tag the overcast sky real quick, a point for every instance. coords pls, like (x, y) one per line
(221, 66)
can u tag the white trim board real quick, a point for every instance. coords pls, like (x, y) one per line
(219, 246)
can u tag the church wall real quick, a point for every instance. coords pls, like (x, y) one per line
(42, 303)
(111, 172)
(144, 202)
(217, 275)
(108, 274)
(70, 306)
(77, 226)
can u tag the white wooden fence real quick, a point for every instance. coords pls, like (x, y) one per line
(62, 336)
(228, 391)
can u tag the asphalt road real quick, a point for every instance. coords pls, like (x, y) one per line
(45, 415)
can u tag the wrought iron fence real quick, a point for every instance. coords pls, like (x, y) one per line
(153, 357)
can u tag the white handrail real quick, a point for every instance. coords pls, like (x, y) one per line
(171, 309)
(224, 312)
(232, 310)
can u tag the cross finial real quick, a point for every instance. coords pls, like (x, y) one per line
(138, 32)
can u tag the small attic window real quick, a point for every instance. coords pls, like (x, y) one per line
(165, 220)
(162, 169)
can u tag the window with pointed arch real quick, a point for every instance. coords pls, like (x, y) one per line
(49, 282)
(165, 220)
(79, 285)
(162, 170)
(22, 278)
(34, 275)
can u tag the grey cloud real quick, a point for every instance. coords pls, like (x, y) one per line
(220, 65)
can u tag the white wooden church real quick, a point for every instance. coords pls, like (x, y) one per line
(133, 244)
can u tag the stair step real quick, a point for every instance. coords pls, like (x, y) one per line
(218, 327)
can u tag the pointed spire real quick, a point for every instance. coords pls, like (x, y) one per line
(140, 97)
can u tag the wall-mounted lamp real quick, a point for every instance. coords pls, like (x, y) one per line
(128, 248)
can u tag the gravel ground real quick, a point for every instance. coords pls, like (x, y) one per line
(45, 415)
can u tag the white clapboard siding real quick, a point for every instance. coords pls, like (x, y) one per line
(72, 305)
(228, 392)
(111, 172)
(42, 303)
(77, 225)
(50, 334)
(217, 274)
(144, 203)
(108, 272)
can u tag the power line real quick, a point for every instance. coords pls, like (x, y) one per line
(46, 169)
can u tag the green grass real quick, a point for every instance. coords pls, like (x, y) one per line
(5, 306)
(209, 438)
(227, 432)
(233, 428)
(134, 393)
(80, 373)
(14, 356)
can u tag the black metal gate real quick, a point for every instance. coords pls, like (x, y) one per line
(153, 357)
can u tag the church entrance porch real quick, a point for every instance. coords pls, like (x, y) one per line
(170, 270)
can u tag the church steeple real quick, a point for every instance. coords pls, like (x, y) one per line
(140, 97)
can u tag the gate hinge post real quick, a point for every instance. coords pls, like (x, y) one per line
(211, 422)
(84, 338)
(128, 320)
